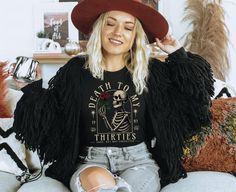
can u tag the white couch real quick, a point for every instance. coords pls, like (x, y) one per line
(8, 181)
(202, 181)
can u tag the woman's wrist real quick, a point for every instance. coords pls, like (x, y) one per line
(32, 86)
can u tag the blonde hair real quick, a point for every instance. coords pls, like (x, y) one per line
(137, 58)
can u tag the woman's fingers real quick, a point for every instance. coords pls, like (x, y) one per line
(159, 44)
(168, 44)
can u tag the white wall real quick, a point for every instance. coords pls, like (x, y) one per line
(17, 29)
(230, 8)
(17, 36)
(174, 11)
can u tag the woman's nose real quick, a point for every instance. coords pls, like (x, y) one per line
(118, 30)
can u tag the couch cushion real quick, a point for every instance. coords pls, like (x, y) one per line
(43, 184)
(8, 182)
(32, 160)
(204, 181)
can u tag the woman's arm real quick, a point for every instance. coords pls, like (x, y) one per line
(180, 89)
(44, 119)
(191, 77)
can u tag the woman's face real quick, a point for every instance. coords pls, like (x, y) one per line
(118, 33)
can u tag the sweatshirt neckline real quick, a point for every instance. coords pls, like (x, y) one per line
(117, 71)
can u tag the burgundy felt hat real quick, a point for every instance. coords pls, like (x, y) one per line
(86, 12)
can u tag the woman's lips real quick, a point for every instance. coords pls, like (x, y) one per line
(115, 41)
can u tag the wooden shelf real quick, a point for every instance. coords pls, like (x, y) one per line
(51, 58)
(62, 58)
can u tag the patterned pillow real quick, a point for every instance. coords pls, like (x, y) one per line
(214, 149)
(12, 152)
(223, 89)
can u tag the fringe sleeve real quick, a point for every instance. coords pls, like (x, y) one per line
(45, 119)
(192, 77)
(180, 91)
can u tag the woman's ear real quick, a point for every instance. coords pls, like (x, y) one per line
(5, 109)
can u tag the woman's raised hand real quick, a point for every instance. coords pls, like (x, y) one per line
(168, 44)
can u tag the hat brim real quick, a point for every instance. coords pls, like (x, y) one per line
(86, 12)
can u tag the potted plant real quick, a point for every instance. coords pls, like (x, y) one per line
(41, 38)
(41, 34)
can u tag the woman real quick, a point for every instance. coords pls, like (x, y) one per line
(116, 119)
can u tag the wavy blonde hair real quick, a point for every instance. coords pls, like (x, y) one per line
(137, 58)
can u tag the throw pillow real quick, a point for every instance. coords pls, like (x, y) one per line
(5, 110)
(223, 89)
(214, 148)
(12, 152)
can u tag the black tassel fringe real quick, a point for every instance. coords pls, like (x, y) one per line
(180, 91)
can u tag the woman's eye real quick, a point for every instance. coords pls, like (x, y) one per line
(110, 24)
(129, 29)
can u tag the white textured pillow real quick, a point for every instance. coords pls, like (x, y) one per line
(204, 181)
(13, 97)
(7, 138)
(219, 85)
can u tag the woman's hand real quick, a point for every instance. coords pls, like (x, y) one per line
(20, 84)
(168, 44)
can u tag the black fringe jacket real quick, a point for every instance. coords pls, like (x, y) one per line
(178, 101)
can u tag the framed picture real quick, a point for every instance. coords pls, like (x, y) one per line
(54, 21)
(56, 26)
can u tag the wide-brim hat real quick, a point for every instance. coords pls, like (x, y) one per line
(86, 12)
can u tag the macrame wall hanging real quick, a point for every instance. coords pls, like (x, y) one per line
(209, 35)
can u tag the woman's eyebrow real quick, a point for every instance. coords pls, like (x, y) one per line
(128, 22)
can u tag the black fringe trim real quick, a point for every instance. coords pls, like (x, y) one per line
(47, 120)
(180, 91)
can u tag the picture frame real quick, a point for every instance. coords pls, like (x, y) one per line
(53, 19)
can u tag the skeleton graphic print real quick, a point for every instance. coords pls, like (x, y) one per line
(112, 114)
(121, 120)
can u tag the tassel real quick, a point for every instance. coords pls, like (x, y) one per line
(46, 120)
(180, 91)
